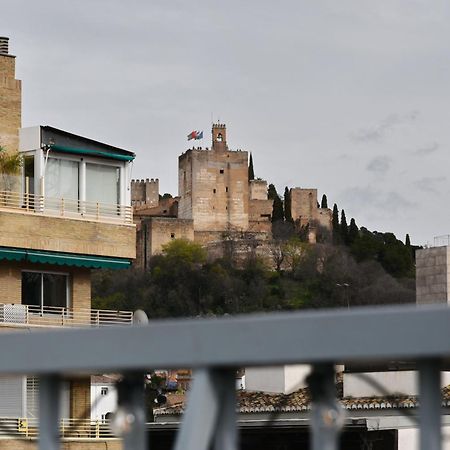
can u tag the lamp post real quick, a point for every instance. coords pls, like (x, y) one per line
(345, 286)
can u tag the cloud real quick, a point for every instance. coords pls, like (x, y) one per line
(426, 149)
(370, 199)
(379, 165)
(429, 184)
(378, 132)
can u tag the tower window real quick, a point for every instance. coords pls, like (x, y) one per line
(214, 191)
(172, 235)
(219, 137)
(226, 189)
(221, 170)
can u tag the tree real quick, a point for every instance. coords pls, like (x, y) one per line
(10, 164)
(344, 228)
(335, 224)
(407, 241)
(287, 205)
(352, 231)
(324, 203)
(277, 210)
(184, 251)
(251, 172)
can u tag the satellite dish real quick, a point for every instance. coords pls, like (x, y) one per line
(140, 318)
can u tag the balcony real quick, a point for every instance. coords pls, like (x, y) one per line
(64, 207)
(18, 315)
(36, 222)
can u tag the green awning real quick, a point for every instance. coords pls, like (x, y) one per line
(85, 151)
(63, 259)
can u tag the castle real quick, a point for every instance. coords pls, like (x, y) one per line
(217, 204)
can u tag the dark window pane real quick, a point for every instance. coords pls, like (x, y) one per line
(55, 290)
(31, 288)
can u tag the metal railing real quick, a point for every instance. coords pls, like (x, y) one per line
(441, 241)
(17, 428)
(54, 316)
(64, 207)
(215, 348)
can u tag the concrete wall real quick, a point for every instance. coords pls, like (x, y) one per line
(33, 231)
(394, 382)
(213, 189)
(102, 404)
(432, 275)
(277, 379)
(409, 439)
(10, 103)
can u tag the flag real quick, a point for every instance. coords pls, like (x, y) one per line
(195, 135)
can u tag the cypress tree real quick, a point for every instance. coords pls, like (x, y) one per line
(251, 173)
(352, 231)
(335, 224)
(324, 203)
(344, 228)
(277, 210)
(407, 241)
(287, 205)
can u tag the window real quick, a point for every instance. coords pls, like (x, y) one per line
(61, 179)
(172, 235)
(221, 170)
(102, 184)
(214, 191)
(104, 391)
(45, 289)
(226, 189)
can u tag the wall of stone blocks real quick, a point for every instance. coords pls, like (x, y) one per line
(303, 203)
(31, 231)
(432, 275)
(258, 190)
(73, 444)
(213, 189)
(80, 398)
(10, 104)
(145, 192)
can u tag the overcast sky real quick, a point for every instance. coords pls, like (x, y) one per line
(351, 96)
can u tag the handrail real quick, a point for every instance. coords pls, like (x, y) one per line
(23, 427)
(65, 207)
(19, 314)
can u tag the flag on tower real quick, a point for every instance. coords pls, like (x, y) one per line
(196, 135)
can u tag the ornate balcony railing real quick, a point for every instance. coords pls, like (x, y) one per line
(53, 316)
(65, 207)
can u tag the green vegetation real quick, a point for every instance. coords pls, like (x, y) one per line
(251, 172)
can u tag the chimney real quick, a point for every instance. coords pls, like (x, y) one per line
(4, 45)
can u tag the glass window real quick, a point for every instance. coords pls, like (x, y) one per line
(61, 179)
(102, 184)
(44, 289)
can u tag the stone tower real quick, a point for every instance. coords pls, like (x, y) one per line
(10, 99)
(213, 186)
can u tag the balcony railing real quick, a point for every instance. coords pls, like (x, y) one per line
(215, 348)
(53, 316)
(64, 207)
(20, 428)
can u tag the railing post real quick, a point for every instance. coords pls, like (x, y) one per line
(327, 416)
(49, 394)
(430, 404)
(97, 429)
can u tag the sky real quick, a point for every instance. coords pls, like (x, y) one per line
(349, 97)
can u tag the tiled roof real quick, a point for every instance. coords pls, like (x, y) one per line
(298, 401)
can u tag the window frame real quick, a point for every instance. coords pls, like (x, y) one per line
(50, 272)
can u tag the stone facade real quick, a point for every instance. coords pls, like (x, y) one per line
(145, 193)
(154, 232)
(305, 211)
(10, 103)
(213, 186)
(432, 275)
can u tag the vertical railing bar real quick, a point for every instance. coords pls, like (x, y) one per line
(226, 435)
(49, 393)
(430, 404)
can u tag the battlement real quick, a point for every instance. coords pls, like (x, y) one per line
(145, 192)
(219, 125)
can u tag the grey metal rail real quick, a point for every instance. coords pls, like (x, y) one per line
(215, 347)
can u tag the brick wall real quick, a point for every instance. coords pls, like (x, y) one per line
(10, 282)
(10, 104)
(80, 398)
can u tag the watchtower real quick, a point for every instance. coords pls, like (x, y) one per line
(219, 137)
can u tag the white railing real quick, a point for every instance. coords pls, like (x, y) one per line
(64, 207)
(12, 427)
(53, 316)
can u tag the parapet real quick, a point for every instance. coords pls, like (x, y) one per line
(145, 192)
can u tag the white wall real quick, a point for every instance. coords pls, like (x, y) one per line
(276, 379)
(102, 404)
(408, 439)
(395, 382)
